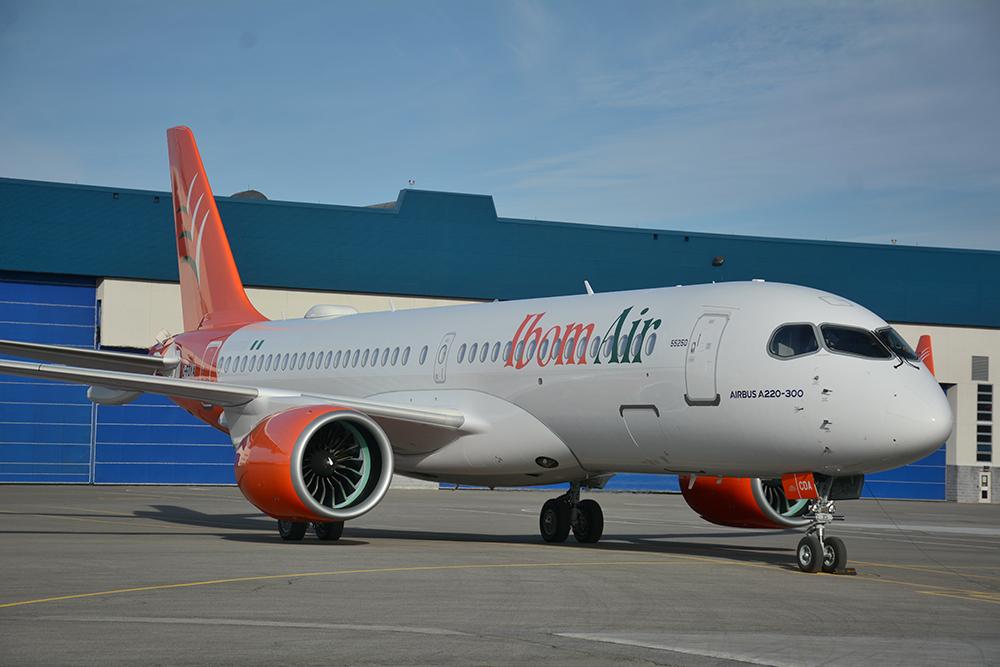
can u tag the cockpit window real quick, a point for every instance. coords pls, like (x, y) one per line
(859, 342)
(793, 340)
(892, 340)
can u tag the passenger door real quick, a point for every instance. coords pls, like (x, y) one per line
(441, 358)
(702, 359)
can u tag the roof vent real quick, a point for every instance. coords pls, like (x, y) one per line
(980, 369)
(250, 194)
(325, 310)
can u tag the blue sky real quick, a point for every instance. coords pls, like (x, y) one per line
(844, 121)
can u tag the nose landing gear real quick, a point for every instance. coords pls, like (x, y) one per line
(567, 512)
(817, 551)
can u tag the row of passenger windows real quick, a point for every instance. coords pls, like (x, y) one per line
(794, 340)
(467, 353)
(272, 363)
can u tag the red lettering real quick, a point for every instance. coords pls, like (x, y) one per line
(576, 332)
(531, 323)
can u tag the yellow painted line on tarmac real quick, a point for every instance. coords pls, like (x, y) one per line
(977, 597)
(929, 570)
(333, 573)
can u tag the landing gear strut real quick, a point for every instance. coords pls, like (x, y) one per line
(294, 531)
(817, 551)
(567, 512)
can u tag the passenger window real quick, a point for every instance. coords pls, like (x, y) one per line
(329, 359)
(637, 347)
(354, 361)
(267, 364)
(650, 344)
(793, 340)
(595, 347)
(543, 348)
(423, 355)
(364, 358)
(461, 353)
(336, 359)
(395, 355)
(484, 353)
(243, 364)
(609, 344)
(406, 355)
(623, 348)
(531, 350)
(581, 349)
(225, 365)
(506, 351)
(472, 352)
(496, 352)
(518, 351)
(302, 360)
(295, 358)
(309, 363)
(385, 357)
(857, 342)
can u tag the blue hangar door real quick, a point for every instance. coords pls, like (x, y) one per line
(46, 428)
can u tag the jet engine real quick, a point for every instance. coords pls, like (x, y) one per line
(743, 502)
(315, 463)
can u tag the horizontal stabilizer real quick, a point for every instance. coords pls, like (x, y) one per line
(82, 358)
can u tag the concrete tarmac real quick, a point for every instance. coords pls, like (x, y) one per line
(168, 575)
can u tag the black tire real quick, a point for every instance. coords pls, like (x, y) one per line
(809, 554)
(328, 530)
(589, 524)
(834, 554)
(553, 521)
(292, 531)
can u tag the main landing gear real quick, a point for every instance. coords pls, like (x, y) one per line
(294, 531)
(818, 551)
(567, 512)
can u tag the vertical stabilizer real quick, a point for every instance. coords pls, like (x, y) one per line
(211, 291)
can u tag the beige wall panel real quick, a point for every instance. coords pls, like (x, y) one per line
(134, 313)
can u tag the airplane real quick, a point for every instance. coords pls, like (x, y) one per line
(770, 401)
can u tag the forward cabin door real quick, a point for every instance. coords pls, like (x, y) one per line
(700, 367)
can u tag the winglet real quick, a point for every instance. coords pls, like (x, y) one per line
(211, 291)
(925, 353)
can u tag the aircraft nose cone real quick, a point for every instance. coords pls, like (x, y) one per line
(920, 421)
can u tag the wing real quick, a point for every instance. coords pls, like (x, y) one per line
(225, 395)
(111, 361)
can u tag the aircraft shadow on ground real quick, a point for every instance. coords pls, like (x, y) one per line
(261, 529)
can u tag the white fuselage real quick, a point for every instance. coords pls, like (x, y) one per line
(696, 389)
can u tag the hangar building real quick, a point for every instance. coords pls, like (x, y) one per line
(96, 267)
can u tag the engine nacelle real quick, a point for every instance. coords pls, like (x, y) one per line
(743, 502)
(315, 463)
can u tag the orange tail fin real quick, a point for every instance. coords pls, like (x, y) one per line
(211, 292)
(925, 352)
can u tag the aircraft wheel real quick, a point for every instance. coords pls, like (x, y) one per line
(553, 520)
(589, 524)
(834, 554)
(292, 531)
(809, 554)
(328, 530)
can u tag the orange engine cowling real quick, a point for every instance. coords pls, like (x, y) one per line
(315, 463)
(743, 502)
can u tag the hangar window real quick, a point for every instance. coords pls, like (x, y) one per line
(485, 352)
(856, 342)
(472, 352)
(892, 340)
(423, 355)
(496, 352)
(793, 340)
(395, 356)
